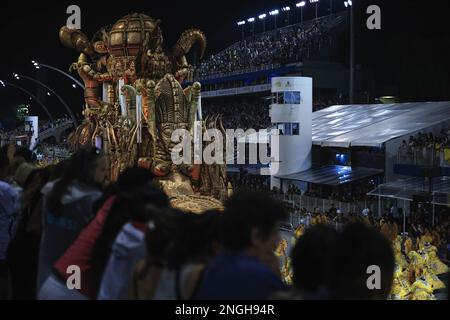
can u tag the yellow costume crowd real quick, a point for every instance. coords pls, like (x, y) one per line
(417, 265)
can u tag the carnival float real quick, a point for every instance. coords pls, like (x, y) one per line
(134, 101)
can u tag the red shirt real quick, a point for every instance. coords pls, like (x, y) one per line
(80, 252)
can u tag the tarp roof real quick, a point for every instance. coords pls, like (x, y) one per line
(332, 175)
(372, 125)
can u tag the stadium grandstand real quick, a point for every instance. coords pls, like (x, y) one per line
(302, 49)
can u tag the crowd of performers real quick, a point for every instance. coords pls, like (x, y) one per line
(417, 264)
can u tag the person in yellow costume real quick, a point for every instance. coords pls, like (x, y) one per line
(433, 280)
(400, 259)
(416, 265)
(397, 243)
(421, 283)
(425, 240)
(400, 289)
(424, 255)
(299, 231)
(323, 219)
(297, 234)
(416, 258)
(281, 249)
(447, 154)
(286, 271)
(394, 231)
(409, 246)
(419, 294)
(436, 265)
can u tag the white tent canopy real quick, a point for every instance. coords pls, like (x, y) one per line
(373, 125)
(369, 125)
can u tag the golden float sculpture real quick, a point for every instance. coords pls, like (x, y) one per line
(135, 100)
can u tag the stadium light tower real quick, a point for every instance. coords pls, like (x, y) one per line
(242, 25)
(262, 17)
(32, 96)
(49, 92)
(38, 66)
(349, 5)
(301, 5)
(274, 13)
(287, 10)
(252, 21)
(316, 2)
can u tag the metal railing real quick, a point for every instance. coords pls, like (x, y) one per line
(311, 203)
(237, 72)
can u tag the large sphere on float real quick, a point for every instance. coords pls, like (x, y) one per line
(133, 34)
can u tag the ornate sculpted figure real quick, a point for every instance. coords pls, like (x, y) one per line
(143, 102)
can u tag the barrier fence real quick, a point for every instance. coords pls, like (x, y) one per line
(295, 218)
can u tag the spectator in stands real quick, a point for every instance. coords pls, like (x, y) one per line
(277, 47)
(248, 267)
(424, 148)
(243, 113)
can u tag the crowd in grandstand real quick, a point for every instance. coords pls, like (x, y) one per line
(246, 180)
(424, 145)
(52, 153)
(239, 113)
(129, 243)
(250, 112)
(50, 124)
(278, 47)
(9, 136)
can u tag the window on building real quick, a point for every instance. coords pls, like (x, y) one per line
(292, 97)
(295, 129)
(286, 97)
(280, 127)
(288, 128)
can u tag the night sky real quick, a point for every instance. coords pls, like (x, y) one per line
(410, 53)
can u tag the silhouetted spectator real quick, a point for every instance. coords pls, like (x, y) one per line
(68, 204)
(312, 260)
(248, 267)
(358, 248)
